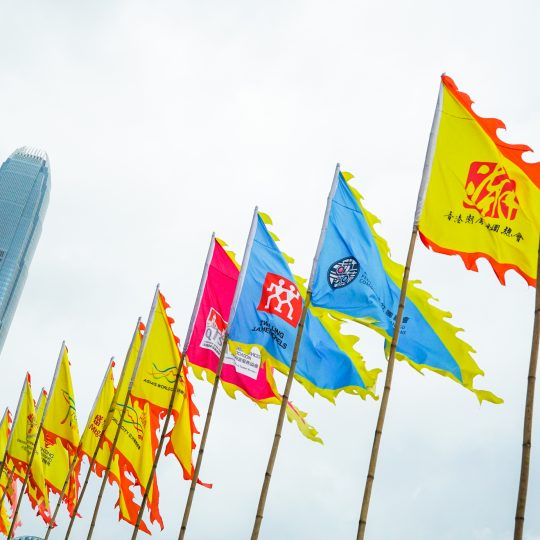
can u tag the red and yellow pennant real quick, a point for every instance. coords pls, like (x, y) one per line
(482, 198)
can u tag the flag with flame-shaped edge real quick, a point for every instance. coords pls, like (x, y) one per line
(249, 374)
(60, 430)
(267, 315)
(137, 442)
(482, 198)
(25, 428)
(97, 419)
(355, 279)
(253, 378)
(155, 379)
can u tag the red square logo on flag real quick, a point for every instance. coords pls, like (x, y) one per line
(281, 297)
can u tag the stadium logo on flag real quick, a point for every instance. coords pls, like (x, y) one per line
(491, 191)
(343, 272)
(280, 296)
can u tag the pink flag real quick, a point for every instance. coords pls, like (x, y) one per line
(243, 372)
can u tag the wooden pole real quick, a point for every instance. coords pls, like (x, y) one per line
(36, 444)
(426, 174)
(202, 446)
(52, 522)
(285, 398)
(124, 408)
(281, 418)
(200, 454)
(175, 388)
(386, 392)
(528, 418)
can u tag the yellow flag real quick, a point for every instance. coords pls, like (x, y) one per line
(20, 448)
(4, 434)
(98, 416)
(159, 362)
(482, 199)
(61, 419)
(135, 450)
(181, 437)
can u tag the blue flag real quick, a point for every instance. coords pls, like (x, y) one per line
(355, 279)
(266, 318)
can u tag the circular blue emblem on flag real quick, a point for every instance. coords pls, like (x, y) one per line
(343, 272)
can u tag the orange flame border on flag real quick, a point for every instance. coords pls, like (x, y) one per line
(513, 152)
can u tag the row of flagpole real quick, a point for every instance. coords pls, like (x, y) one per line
(520, 511)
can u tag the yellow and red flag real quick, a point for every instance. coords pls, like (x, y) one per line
(159, 362)
(99, 416)
(482, 198)
(61, 435)
(24, 432)
(136, 445)
(154, 383)
(61, 419)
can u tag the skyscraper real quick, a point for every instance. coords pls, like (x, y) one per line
(24, 196)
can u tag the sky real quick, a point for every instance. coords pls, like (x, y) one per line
(165, 121)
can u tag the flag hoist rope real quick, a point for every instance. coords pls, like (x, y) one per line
(285, 398)
(36, 444)
(223, 351)
(124, 407)
(76, 459)
(426, 173)
(177, 380)
(528, 417)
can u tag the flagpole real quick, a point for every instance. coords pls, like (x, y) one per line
(101, 438)
(528, 417)
(73, 464)
(175, 388)
(426, 174)
(36, 443)
(223, 351)
(124, 408)
(285, 397)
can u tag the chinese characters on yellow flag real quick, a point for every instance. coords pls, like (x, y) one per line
(482, 199)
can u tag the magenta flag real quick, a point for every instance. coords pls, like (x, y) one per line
(244, 372)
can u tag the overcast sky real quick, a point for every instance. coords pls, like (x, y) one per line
(167, 120)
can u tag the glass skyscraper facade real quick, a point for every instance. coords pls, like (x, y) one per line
(24, 196)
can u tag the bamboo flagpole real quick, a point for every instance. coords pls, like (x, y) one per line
(76, 458)
(285, 397)
(100, 440)
(36, 443)
(223, 351)
(124, 407)
(528, 417)
(175, 388)
(426, 173)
